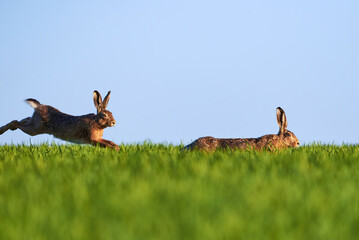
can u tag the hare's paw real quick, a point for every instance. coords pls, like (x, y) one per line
(14, 125)
(2, 130)
(117, 148)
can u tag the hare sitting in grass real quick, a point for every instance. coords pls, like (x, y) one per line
(284, 139)
(77, 129)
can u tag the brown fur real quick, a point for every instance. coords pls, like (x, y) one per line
(283, 139)
(77, 129)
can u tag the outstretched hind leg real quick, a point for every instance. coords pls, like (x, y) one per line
(13, 125)
(27, 126)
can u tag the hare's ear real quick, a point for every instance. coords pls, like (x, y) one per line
(282, 121)
(106, 99)
(97, 100)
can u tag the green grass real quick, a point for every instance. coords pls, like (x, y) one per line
(158, 192)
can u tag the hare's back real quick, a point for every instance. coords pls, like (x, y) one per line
(204, 143)
(237, 143)
(56, 120)
(61, 120)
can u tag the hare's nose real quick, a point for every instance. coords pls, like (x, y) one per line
(113, 123)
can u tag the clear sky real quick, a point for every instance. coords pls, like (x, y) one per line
(179, 70)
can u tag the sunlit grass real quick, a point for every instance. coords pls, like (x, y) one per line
(151, 191)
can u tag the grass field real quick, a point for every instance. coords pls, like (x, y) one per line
(158, 192)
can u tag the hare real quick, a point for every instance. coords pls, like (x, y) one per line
(284, 139)
(77, 129)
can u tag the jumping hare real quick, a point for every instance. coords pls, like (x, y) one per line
(284, 139)
(77, 129)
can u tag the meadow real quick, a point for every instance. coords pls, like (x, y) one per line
(152, 191)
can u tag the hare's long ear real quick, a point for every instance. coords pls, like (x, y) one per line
(282, 121)
(97, 100)
(105, 100)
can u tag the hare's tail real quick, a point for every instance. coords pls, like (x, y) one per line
(33, 102)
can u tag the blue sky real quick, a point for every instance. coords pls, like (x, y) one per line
(179, 70)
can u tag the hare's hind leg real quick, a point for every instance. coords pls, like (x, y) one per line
(26, 125)
(13, 125)
(29, 126)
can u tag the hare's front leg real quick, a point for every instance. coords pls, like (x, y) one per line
(105, 143)
(112, 144)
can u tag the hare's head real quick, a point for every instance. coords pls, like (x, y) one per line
(289, 139)
(104, 117)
